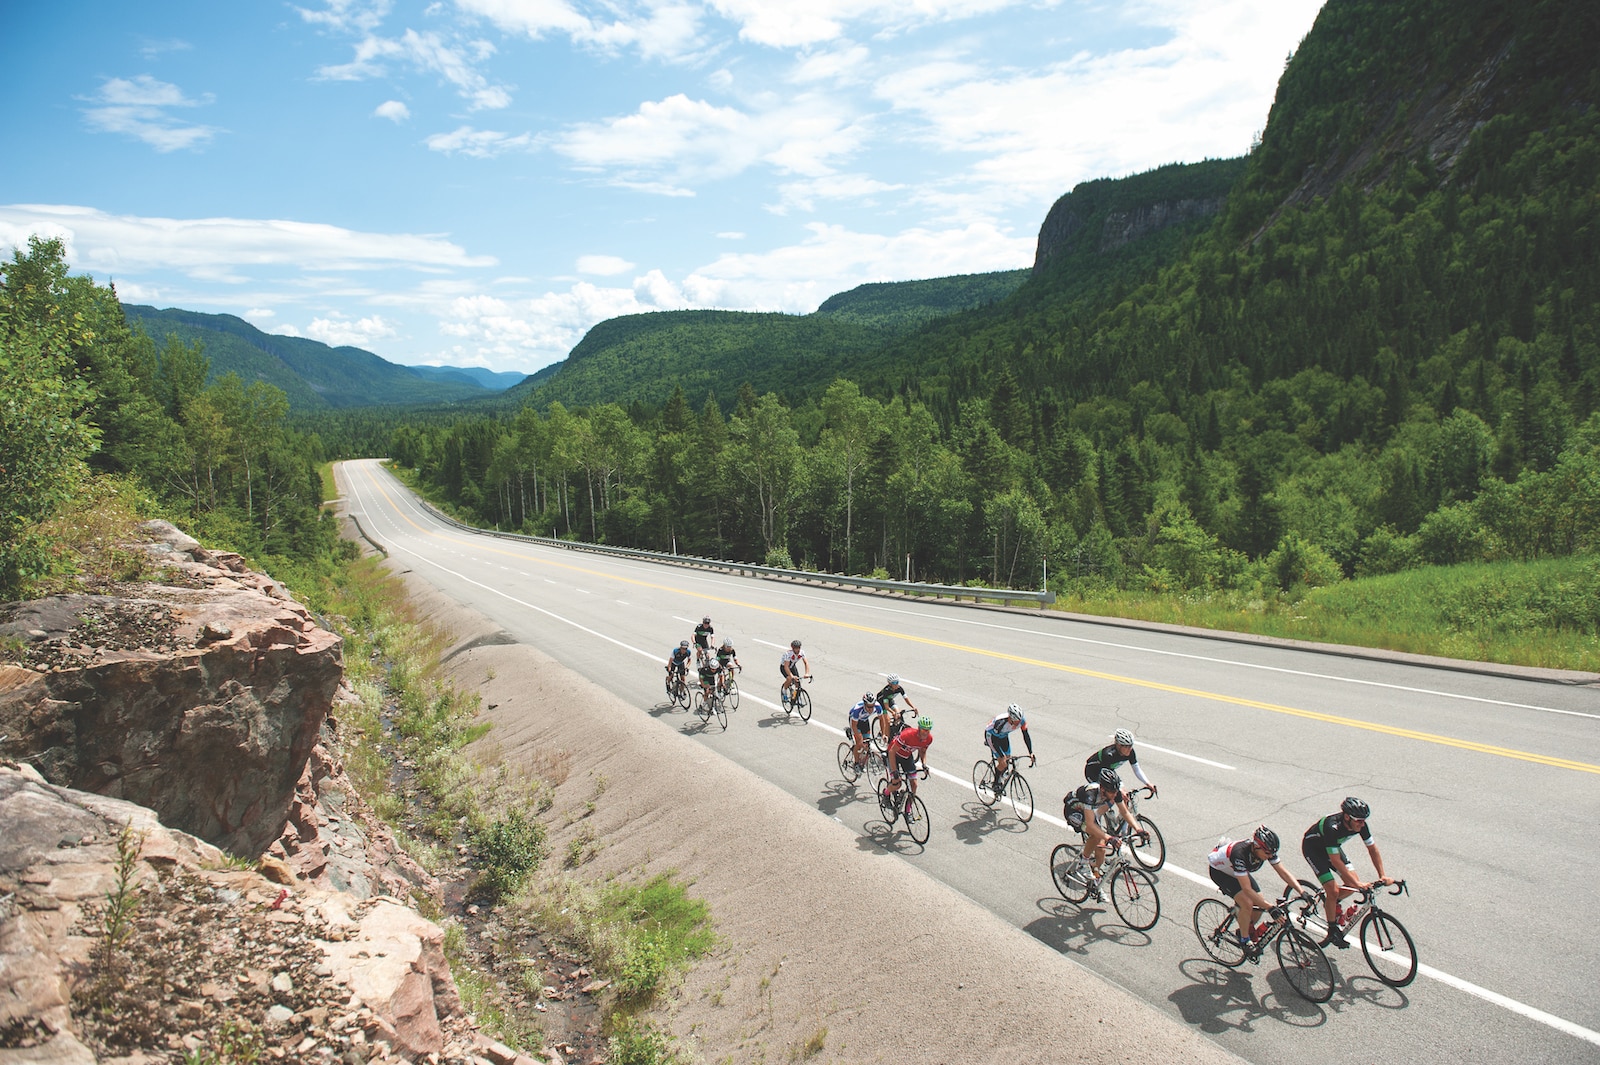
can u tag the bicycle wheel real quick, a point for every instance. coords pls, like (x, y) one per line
(1021, 796)
(917, 820)
(1133, 893)
(733, 694)
(1213, 923)
(847, 763)
(983, 782)
(1307, 968)
(1067, 870)
(720, 710)
(1152, 853)
(1388, 948)
(802, 704)
(887, 806)
(680, 695)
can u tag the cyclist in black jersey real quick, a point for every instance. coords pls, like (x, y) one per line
(1120, 750)
(1323, 847)
(677, 662)
(702, 638)
(891, 690)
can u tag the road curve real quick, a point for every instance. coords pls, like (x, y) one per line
(1483, 787)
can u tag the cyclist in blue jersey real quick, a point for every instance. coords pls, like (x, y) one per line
(998, 739)
(860, 726)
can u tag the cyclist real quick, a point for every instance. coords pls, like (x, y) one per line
(1085, 805)
(702, 637)
(1233, 865)
(998, 738)
(1323, 847)
(889, 716)
(789, 667)
(860, 726)
(677, 663)
(904, 750)
(727, 658)
(708, 680)
(1118, 751)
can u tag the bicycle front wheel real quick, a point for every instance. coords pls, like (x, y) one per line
(983, 782)
(1069, 873)
(721, 711)
(1152, 852)
(1307, 968)
(887, 804)
(680, 695)
(733, 694)
(1021, 796)
(802, 704)
(1213, 923)
(847, 763)
(917, 820)
(1388, 948)
(1133, 893)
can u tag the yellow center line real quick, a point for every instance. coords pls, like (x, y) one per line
(1196, 693)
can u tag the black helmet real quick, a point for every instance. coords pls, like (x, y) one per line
(1109, 781)
(1354, 807)
(1266, 839)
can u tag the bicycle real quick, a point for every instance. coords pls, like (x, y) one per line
(913, 809)
(896, 721)
(1304, 964)
(1390, 952)
(1012, 784)
(1133, 890)
(678, 689)
(728, 686)
(1149, 851)
(799, 702)
(712, 707)
(849, 769)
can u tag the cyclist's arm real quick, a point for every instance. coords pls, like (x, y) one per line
(1026, 738)
(1287, 877)
(1134, 765)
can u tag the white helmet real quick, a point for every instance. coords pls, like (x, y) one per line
(1014, 711)
(1123, 738)
(894, 680)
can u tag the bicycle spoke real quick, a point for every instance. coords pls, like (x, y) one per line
(1213, 924)
(1388, 949)
(1133, 893)
(1308, 970)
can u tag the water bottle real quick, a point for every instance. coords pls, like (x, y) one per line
(1261, 930)
(1348, 916)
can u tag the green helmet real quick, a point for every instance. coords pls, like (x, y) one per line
(925, 723)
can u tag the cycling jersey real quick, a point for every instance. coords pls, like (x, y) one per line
(911, 742)
(1331, 832)
(889, 693)
(863, 711)
(702, 635)
(789, 664)
(1002, 726)
(708, 672)
(1109, 757)
(1090, 797)
(1238, 858)
(679, 657)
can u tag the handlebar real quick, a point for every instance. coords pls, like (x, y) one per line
(1149, 791)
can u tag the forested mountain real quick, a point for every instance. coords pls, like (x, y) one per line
(494, 381)
(311, 374)
(899, 306)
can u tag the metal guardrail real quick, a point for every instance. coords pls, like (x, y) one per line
(938, 591)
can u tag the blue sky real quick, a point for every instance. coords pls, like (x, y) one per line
(477, 182)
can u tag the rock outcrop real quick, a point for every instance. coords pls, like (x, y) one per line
(201, 698)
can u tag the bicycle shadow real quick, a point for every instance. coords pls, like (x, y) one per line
(1216, 992)
(978, 822)
(1372, 991)
(839, 794)
(778, 719)
(881, 836)
(1065, 928)
(663, 709)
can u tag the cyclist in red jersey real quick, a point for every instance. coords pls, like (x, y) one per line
(904, 750)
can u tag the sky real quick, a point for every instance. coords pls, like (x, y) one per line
(477, 182)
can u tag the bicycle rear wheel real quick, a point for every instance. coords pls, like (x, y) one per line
(1152, 853)
(983, 782)
(847, 763)
(1069, 874)
(733, 694)
(801, 700)
(888, 806)
(1214, 924)
(1133, 893)
(1021, 796)
(917, 824)
(1388, 948)
(1307, 968)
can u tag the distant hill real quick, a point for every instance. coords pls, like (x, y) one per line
(899, 306)
(313, 375)
(493, 380)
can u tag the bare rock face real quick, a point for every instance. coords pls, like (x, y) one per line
(200, 698)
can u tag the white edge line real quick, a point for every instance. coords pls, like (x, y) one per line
(918, 683)
(764, 643)
(1191, 757)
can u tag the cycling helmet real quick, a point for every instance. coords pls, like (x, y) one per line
(869, 699)
(1266, 839)
(1354, 807)
(1109, 781)
(1123, 738)
(1014, 712)
(795, 644)
(894, 680)
(925, 723)
(683, 643)
(706, 620)
(727, 645)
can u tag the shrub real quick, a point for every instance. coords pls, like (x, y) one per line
(779, 558)
(509, 849)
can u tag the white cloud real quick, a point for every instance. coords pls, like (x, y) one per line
(342, 332)
(260, 314)
(138, 107)
(603, 265)
(346, 16)
(794, 25)
(658, 29)
(478, 143)
(455, 62)
(152, 49)
(103, 242)
(803, 195)
(730, 234)
(393, 110)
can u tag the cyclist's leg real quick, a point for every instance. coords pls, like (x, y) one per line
(1311, 850)
(1094, 848)
(1247, 910)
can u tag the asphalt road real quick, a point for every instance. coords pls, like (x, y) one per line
(1485, 790)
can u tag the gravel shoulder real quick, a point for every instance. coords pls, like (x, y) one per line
(818, 932)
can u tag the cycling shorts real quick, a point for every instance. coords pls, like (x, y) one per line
(1228, 883)
(905, 765)
(1000, 745)
(1316, 855)
(862, 727)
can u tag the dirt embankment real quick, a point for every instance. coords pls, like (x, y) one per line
(808, 952)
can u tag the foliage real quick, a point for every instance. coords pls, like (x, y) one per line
(509, 849)
(898, 306)
(636, 1042)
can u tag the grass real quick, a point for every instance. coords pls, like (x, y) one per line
(330, 488)
(1544, 613)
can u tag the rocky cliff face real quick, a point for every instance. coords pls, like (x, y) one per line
(1064, 227)
(201, 698)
